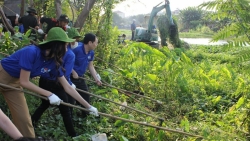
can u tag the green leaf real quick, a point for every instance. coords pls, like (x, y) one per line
(152, 77)
(119, 123)
(240, 102)
(216, 100)
(114, 91)
(123, 138)
(27, 34)
(185, 124)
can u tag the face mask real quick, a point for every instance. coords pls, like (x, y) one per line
(74, 46)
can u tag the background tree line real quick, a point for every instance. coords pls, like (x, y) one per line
(191, 18)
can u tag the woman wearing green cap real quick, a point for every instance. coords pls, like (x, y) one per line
(49, 82)
(29, 62)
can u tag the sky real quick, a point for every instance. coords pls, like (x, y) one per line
(135, 7)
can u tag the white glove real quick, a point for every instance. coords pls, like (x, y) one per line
(54, 99)
(75, 45)
(67, 26)
(98, 77)
(17, 16)
(94, 111)
(125, 104)
(40, 31)
(73, 85)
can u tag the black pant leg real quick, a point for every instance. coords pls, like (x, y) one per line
(81, 84)
(42, 107)
(66, 113)
(57, 89)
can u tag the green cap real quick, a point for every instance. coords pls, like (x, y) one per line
(57, 34)
(73, 33)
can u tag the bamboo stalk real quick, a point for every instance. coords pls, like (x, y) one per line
(125, 91)
(107, 115)
(6, 55)
(9, 9)
(115, 74)
(161, 119)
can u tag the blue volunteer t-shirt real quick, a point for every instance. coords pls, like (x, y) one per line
(82, 59)
(21, 29)
(68, 64)
(29, 58)
(80, 44)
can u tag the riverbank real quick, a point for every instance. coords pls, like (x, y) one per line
(181, 34)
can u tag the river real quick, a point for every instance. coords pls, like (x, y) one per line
(203, 41)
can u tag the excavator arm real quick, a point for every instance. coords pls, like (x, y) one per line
(150, 34)
(157, 9)
(168, 11)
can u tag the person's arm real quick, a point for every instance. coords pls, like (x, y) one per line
(94, 73)
(20, 20)
(72, 92)
(16, 20)
(25, 82)
(40, 25)
(7, 126)
(74, 74)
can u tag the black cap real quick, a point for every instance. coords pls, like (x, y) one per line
(64, 18)
(32, 10)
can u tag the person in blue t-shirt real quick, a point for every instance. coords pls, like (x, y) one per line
(31, 61)
(84, 56)
(21, 28)
(49, 82)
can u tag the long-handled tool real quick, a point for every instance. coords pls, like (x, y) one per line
(125, 91)
(161, 119)
(107, 115)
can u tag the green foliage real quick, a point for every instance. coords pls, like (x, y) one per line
(190, 18)
(9, 44)
(163, 24)
(204, 29)
(236, 11)
(167, 32)
(194, 34)
(203, 90)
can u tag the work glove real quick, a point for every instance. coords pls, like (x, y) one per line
(54, 99)
(67, 26)
(125, 104)
(74, 46)
(98, 77)
(40, 31)
(94, 111)
(17, 16)
(73, 85)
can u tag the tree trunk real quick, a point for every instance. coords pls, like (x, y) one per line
(84, 14)
(22, 8)
(58, 6)
(72, 10)
(5, 22)
(31, 3)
